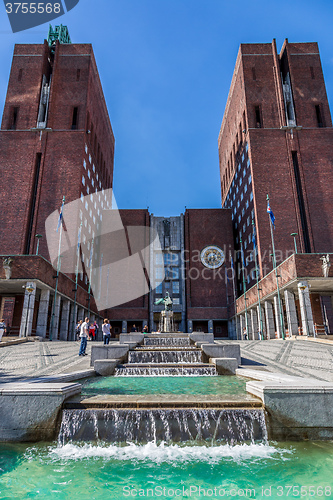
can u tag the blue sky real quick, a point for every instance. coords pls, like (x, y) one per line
(166, 68)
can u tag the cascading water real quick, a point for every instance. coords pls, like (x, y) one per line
(134, 371)
(171, 356)
(165, 356)
(167, 425)
(167, 341)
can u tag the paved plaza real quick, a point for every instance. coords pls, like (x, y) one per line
(46, 359)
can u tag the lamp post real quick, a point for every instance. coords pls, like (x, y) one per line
(38, 236)
(295, 243)
(30, 290)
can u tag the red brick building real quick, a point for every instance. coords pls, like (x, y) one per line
(56, 141)
(276, 140)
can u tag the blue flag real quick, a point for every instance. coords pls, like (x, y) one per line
(254, 238)
(79, 238)
(60, 215)
(270, 212)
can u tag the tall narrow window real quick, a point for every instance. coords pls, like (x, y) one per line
(319, 117)
(301, 203)
(312, 72)
(257, 116)
(78, 74)
(20, 75)
(75, 118)
(13, 118)
(33, 203)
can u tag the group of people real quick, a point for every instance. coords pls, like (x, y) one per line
(86, 330)
(92, 330)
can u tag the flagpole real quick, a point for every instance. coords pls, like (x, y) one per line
(257, 276)
(58, 270)
(276, 274)
(244, 286)
(90, 272)
(234, 290)
(76, 278)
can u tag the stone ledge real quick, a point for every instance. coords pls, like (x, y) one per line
(105, 367)
(29, 412)
(225, 366)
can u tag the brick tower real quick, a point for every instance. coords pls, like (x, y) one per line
(276, 139)
(56, 139)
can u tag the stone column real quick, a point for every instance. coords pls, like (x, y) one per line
(261, 326)
(80, 314)
(291, 313)
(249, 327)
(124, 327)
(43, 313)
(277, 317)
(210, 326)
(237, 326)
(73, 318)
(241, 326)
(254, 324)
(55, 313)
(28, 310)
(306, 309)
(270, 326)
(64, 324)
(189, 326)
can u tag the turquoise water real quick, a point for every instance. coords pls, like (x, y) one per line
(87, 472)
(226, 385)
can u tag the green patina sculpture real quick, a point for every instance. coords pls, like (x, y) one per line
(60, 33)
(167, 301)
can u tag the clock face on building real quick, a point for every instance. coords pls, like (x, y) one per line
(212, 257)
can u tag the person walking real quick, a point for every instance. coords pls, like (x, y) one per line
(78, 329)
(106, 329)
(2, 328)
(84, 337)
(96, 330)
(92, 331)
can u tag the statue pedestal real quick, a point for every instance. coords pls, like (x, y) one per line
(166, 321)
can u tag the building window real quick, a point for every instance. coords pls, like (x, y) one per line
(175, 287)
(13, 118)
(176, 301)
(83, 180)
(85, 164)
(239, 218)
(245, 188)
(159, 273)
(158, 289)
(312, 72)
(78, 75)
(242, 196)
(250, 178)
(257, 117)
(75, 118)
(251, 196)
(247, 204)
(320, 122)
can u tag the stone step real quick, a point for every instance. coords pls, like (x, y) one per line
(165, 401)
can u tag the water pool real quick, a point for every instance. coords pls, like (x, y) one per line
(87, 472)
(224, 385)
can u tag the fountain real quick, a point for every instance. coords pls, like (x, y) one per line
(165, 355)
